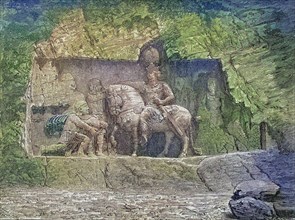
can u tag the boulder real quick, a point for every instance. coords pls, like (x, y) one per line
(258, 189)
(230, 170)
(250, 208)
(285, 208)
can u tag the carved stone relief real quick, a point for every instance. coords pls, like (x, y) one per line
(131, 109)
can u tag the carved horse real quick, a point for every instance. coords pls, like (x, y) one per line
(173, 120)
(127, 107)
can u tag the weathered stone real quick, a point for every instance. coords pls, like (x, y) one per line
(75, 37)
(284, 208)
(230, 170)
(250, 208)
(257, 189)
(224, 173)
(121, 172)
(153, 203)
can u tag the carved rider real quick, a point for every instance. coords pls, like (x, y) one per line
(157, 92)
(95, 98)
(159, 95)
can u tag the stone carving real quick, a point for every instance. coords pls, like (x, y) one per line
(124, 98)
(250, 208)
(147, 109)
(81, 133)
(95, 97)
(170, 119)
(125, 106)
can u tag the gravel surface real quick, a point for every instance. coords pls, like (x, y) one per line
(46, 203)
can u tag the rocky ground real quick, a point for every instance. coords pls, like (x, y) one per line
(149, 188)
(153, 203)
(46, 203)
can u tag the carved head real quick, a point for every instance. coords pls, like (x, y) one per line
(153, 73)
(114, 102)
(95, 86)
(81, 108)
(150, 56)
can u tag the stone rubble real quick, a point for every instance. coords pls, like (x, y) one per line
(152, 203)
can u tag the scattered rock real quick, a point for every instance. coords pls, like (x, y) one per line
(250, 208)
(230, 170)
(257, 189)
(284, 209)
(131, 203)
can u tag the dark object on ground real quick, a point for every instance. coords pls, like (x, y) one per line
(251, 209)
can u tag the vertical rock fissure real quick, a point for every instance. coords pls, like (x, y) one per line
(45, 165)
(248, 170)
(204, 181)
(105, 172)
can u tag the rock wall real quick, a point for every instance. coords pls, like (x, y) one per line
(233, 95)
(61, 73)
(260, 72)
(119, 172)
(215, 174)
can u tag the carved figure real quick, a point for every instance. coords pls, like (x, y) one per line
(160, 116)
(79, 130)
(95, 98)
(127, 106)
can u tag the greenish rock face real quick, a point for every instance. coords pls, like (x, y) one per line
(254, 41)
(231, 102)
(119, 172)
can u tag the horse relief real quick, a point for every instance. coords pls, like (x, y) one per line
(129, 112)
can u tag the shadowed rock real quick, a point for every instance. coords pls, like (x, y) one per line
(257, 189)
(250, 208)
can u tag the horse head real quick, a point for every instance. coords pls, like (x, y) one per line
(114, 102)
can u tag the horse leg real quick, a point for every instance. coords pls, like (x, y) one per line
(168, 138)
(112, 138)
(135, 140)
(99, 143)
(185, 141)
(143, 124)
(84, 146)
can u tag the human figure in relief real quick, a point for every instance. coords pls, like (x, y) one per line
(95, 98)
(80, 132)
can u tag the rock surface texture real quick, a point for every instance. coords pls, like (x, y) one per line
(153, 188)
(153, 203)
(250, 208)
(256, 189)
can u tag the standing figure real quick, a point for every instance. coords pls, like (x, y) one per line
(95, 98)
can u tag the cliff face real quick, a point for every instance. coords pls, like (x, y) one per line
(254, 41)
(251, 84)
(261, 74)
(81, 35)
(215, 175)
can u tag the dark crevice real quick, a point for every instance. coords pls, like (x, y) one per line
(45, 165)
(204, 181)
(248, 170)
(105, 172)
